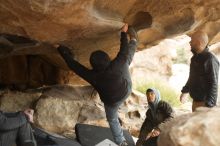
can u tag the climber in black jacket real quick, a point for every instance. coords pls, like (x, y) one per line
(111, 79)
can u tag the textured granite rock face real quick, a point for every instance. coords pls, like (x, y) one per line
(17, 101)
(97, 22)
(199, 128)
(31, 27)
(78, 21)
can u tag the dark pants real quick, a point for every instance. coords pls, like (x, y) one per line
(113, 120)
(22, 136)
(151, 142)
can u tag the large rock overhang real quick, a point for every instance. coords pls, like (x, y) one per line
(32, 27)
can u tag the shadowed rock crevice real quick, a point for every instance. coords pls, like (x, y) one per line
(31, 71)
(18, 39)
(140, 20)
(182, 22)
(5, 49)
(21, 68)
(21, 45)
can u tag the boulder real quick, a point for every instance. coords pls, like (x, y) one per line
(58, 108)
(195, 129)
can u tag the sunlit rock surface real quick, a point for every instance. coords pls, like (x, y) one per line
(32, 27)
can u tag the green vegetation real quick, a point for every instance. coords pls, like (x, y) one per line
(167, 93)
(181, 56)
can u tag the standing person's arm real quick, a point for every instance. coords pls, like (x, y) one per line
(78, 68)
(212, 69)
(184, 93)
(127, 49)
(11, 121)
(185, 89)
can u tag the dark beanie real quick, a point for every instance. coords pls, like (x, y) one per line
(99, 60)
(149, 90)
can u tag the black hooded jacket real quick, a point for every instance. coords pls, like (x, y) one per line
(112, 81)
(202, 83)
(164, 113)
